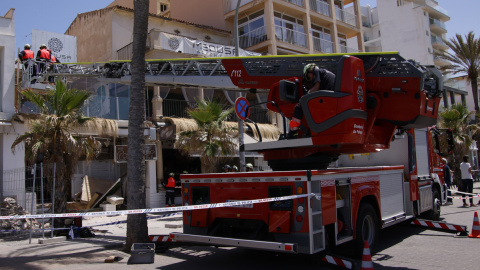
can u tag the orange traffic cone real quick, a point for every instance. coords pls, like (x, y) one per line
(476, 227)
(367, 263)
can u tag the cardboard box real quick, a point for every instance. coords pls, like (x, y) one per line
(142, 253)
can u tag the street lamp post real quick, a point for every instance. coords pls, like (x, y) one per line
(240, 121)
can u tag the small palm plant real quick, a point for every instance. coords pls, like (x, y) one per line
(213, 138)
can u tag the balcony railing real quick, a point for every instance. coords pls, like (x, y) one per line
(125, 53)
(251, 38)
(322, 45)
(178, 108)
(438, 23)
(296, 2)
(320, 6)
(438, 43)
(291, 36)
(117, 108)
(346, 16)
(345, 49)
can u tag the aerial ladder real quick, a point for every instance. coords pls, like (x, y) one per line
(375, 96)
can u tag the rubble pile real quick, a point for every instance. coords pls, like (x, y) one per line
(9, 207)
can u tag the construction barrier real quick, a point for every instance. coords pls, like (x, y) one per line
(474, 195)
(461, 229)
(338, 262)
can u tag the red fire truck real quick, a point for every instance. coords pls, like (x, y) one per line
(366, 158)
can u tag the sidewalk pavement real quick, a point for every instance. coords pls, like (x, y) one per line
(90, 253)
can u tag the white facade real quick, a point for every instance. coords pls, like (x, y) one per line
(9, 129)
(414, 28)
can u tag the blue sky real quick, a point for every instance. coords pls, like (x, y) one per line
(57, 15)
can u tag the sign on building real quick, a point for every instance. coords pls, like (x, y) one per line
(63, 47)
(198, 47)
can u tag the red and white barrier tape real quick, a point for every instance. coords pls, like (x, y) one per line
(473, 195)
(160, 210)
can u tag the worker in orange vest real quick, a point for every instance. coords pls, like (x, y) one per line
(170, 190)
(25, 55)
(43, 56)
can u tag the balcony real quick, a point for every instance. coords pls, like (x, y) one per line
(178, 108)
(322, 45)
(125, 53)
(345, 49)
(346, 17)
(252, 38)
(437, 26)
(116, 108)
(438, 43)
(433, 8)
(296, 2)
(291, 36)
(320, 6)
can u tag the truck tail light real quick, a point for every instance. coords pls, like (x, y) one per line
(299, 218)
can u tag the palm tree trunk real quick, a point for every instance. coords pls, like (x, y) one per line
(474, 85)
(137, 230)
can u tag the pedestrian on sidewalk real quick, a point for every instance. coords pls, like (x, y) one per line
(467, 181)
(447, 173)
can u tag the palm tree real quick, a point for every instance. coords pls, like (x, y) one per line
(137, 230)
(457, 119)
(464, 58)
(53, 135)
(212, 137)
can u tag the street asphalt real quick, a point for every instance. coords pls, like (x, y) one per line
(91, 253)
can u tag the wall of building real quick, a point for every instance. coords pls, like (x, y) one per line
(94, 35)
(7, 60)
(207, 12)
(397, 25)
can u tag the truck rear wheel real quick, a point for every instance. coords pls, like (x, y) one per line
(367, 228)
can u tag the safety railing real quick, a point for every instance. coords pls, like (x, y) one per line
(322, 45)
(252, 38)
(291, 36)
(345, 16)
(320, 6)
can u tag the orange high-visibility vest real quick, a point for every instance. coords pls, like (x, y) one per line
(28, 54)
(53, 59)
(171, 182)
(45, 54)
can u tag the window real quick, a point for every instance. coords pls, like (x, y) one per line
(400, 3)
(426, 32)
(322, 39)
(251, 30)
(289, 29)
(161, 7)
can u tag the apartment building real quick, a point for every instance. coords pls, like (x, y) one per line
(9, 128)
(414, 28)
(281, 27)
